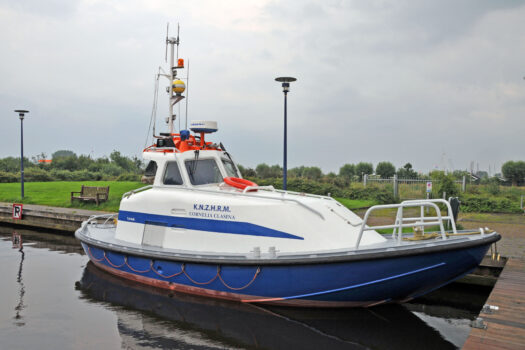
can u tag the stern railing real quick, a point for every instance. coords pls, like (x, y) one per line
(401, 221)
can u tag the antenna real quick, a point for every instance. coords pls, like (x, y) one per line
(166, 50)
(178, 30)
(187, 92)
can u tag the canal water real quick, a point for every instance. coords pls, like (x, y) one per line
(51, 297)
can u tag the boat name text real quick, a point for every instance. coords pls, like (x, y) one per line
(212, 207)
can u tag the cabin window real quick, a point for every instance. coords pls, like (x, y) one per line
(230, 168)
(172, 174)
(151, 169)
(203, 171)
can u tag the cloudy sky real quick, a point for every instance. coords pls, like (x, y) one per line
(434, 83)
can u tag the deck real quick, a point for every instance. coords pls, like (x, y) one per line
(505, 327)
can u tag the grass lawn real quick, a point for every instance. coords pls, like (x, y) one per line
(58, 194)
(356, 203)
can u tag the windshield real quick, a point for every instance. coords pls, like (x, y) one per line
(172, 174)
(230, 168)
(203, 171)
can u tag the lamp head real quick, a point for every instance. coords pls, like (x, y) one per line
(286, 82)
(21, 113)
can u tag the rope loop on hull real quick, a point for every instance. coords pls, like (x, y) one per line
(138, 271)
(116, 266)
(182, 271)
(246, 285)
(170, 276)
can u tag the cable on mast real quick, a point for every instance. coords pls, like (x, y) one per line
(187, 92)
(153, 116)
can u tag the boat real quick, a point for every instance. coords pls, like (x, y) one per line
(200, 228)
(164, 315)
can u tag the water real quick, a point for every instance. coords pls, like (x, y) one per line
(52, 298)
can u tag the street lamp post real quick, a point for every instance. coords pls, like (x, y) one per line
(286, 87)
(21, 114)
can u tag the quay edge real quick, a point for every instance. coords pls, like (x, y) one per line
(67, 220)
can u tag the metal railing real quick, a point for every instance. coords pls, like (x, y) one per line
(409, 188)
(95, 220)
(402, 222)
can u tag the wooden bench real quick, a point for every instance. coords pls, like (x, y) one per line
(91, 193)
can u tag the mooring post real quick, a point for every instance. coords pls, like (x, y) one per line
(396, 189)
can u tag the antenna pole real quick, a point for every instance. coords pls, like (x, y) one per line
(166, 49)
(173, 73)
(187, 93)
(178, 30)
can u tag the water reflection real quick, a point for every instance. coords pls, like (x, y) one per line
(45, 240)
(177, 321)
(18, 244)
(106, 312)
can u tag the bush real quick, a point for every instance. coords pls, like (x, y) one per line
(37, 174)
(302, 185)
(445, 183)
(488, 204)
(129, 177)
(111, 170)
(493, 186)
(381, 194)
(8, 177)
(61, 175)
(355, 191)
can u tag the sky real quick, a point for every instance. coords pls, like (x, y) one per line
(434, 83)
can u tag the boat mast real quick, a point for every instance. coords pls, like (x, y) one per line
(174, 96)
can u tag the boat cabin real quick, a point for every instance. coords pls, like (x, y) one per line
(187, 160)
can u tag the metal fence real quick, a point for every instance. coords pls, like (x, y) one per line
(410, 188)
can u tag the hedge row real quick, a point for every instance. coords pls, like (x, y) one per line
(488, 204)
(354, 191)
(41, 175)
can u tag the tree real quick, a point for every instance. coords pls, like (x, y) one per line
(514, 171)
(63, 153)
(459, 174)
(385, 170)
(406, 172)
(364, 168)
(312, 173)
(122, 161)
(246, 172)
(296, 172)
(65, 162)
(347, 172)
(445, 183)
(10, 164)
(264, 171)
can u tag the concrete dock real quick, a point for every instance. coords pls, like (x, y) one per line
(41, 216)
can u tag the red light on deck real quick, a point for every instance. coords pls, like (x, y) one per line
(180, 62)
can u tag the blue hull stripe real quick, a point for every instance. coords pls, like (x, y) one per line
(364, 284)
(210, 225)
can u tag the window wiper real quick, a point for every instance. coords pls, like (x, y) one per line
(229, 157)
(194, 165)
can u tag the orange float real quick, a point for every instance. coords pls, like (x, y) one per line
(239, 183)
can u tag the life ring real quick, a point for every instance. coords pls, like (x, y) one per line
(239, 183)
